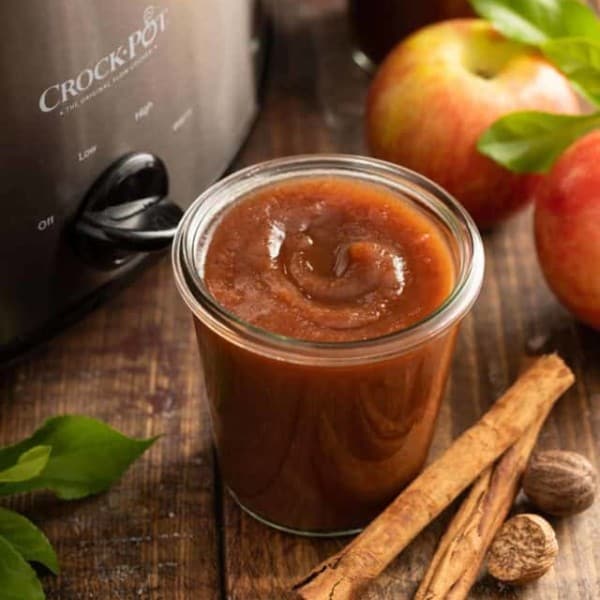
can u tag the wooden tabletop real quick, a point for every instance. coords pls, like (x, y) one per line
(168, 530)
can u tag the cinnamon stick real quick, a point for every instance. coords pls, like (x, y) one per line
(528, 400)
(461, 550)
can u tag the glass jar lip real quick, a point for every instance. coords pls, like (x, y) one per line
(279, 347)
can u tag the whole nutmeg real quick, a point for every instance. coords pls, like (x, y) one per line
(523, 550)
(559, 482)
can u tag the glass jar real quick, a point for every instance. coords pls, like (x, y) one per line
(378, 25)
(318, 437)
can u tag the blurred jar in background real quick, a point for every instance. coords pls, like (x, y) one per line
(377, 25)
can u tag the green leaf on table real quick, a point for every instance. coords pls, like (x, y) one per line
(30, 464)
(27, 540)
(536, 21)
(530, 141)
(18, 580)
(579, 60)
(87, 457)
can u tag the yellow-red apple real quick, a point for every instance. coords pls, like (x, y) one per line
(437, 92)
(567, 228)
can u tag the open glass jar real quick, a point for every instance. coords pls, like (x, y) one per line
(317, 437)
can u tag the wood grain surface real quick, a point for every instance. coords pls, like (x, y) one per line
(168, 530)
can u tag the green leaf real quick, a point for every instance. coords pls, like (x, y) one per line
(579, 60)
(536, 21)
(27, 540)
(30, 464)
(87, 457)
(530, 141)
(18, 581)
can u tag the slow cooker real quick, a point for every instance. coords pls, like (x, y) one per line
(116, 115)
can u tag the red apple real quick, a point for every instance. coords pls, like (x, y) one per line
(567, 228)
(437, 92)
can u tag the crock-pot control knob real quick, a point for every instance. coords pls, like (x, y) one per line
(127, 212)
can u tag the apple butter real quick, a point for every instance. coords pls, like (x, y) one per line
(328, 259)
(326, 309)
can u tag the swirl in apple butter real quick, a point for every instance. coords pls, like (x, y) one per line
(327, 259)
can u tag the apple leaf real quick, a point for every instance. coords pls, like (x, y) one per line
(530, 141)
(27, 539)
(87, 457)
(536, 21)
(29, 465)
(579, 60)
(17, 578)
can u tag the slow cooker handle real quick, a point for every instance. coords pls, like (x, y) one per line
(138, 226)
(126, 212)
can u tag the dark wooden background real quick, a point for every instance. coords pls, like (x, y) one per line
(168, 531)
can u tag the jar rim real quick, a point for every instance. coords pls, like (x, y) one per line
(236, 330)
